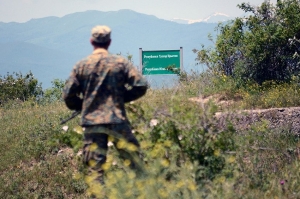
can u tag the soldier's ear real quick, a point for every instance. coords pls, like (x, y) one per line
(91, 41)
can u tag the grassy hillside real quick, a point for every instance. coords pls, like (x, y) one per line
(185, 154)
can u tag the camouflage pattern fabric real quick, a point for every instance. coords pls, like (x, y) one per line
(97, 86)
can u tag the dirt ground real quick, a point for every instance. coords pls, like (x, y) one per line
(276, 118)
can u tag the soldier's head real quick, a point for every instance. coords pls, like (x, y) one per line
(100, 37)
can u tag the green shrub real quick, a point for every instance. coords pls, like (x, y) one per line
(54, 93)
(18, 87)
(70, 138)
(271, 94)
(260, 47)
(194, 137)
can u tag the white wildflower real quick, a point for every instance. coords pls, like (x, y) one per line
(79, 153)
(133, 131)
(180, 137)
(110, 144)
(153, 122)
(65, 128)
(60, 152)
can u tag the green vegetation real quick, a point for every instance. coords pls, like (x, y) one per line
(185, 152)
(18, 87)
(263, 46)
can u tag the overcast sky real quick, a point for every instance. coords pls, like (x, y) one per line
(24, 10)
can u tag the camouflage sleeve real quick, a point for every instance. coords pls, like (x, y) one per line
(137, 83)
(71, 92)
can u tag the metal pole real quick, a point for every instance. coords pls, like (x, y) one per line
(181, 59)
(141, 60)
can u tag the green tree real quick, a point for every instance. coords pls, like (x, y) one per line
(262, 46)
(16, 86)
(55, 92)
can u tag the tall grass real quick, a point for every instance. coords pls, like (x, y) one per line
(184, 153)
(30, 166)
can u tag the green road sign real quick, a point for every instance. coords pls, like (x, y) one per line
(156, 62)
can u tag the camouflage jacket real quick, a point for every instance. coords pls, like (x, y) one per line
(97, 87)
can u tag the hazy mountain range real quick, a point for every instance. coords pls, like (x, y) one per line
(50, 46)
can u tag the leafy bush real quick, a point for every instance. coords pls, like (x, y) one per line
(271, 94)
(54, 93)
(18, 87)
(195, 137)
(260, 47)
(71, 138)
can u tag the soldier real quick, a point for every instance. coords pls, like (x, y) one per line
(97, 87)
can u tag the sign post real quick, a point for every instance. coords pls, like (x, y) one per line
(156, 62)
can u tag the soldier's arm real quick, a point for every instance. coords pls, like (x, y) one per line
(71, 92)
(134, 93)
(137, 82)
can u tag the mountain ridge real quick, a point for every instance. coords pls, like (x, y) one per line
(70, 35)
